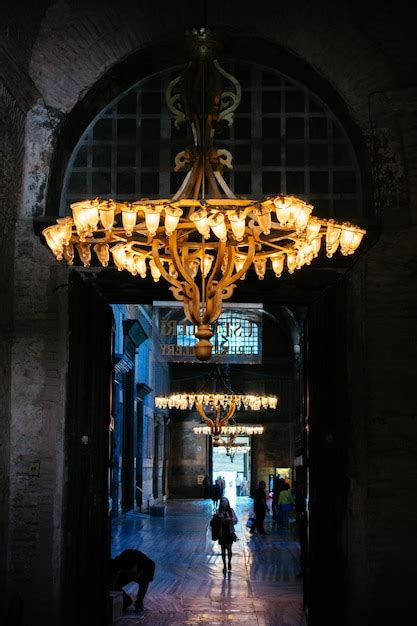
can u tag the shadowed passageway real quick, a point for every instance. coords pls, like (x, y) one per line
(189, 587)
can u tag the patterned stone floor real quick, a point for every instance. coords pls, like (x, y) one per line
(189, 587)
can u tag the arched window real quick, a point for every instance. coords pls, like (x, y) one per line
(284, 140)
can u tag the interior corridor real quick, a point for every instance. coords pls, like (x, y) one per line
(263, 588)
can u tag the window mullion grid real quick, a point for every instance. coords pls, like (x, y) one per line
(306, 146)
(331, 165)
(256, 133)
(90, 163)
(138, 150)
(113, 172)
(283, 140)
(165, 146)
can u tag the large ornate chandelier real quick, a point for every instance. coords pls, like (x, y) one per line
(204, 239)
(216, 410)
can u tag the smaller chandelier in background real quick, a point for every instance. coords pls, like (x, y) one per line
(184, 401)
(217, 409)
(232, 431)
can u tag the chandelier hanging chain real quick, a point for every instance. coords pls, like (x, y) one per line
(208, 239)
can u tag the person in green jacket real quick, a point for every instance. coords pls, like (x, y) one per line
(285, 505)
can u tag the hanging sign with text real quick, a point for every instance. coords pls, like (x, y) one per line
(237, 334)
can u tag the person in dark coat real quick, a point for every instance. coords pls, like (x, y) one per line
(223, 526)
(215, 494)
(131, 566)
(260, 508)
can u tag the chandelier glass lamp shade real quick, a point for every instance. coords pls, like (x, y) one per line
(204, 239)
(216, 410)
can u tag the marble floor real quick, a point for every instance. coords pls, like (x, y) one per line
(189, 588)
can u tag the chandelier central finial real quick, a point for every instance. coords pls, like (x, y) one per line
(204, 239)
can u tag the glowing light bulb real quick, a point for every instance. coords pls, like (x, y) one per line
(102, 252)
(291, 262)
(119, 256)
(217, 225)
(263, 215)
(332, 238)
(140, 263)
(129, 214)
(260, 267)
(277, 264)
(312, 229)
(106, 211)
(237, 221)
(84, 252)
(282, 208)
(207, 263)
(350, 239)
(155, 271)
(152, 218)
(201, 222)
(172, 217)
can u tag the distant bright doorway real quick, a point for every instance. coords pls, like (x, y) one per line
(234, 469)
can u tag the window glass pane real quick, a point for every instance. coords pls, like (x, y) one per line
(295, 154)
(149, 182)
(271, 182)
(243, 154)
(341, 154)
(245, 102)
(127, 105)
(242, 128)
(126, 155)
(103, 129)
(125, 183)
(271, 127)
(319, 154)
(319, 182)
(294, 128)
(126, 130)
(150, 129)
(318, 128)
(243, 184)
(151, 102)
(321, 207)
(81, 158)
(344, 182)
(101, 183)
(176, 180)
(77, 183)
(149, 156)
(271, 154)
(102, 155)
(295, 182)
(294, 102)
(271, 102)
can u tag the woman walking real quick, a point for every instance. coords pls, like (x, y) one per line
(225, 520)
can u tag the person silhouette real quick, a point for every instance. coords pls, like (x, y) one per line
(260, 508)
(225, 520)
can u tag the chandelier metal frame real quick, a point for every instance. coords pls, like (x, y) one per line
(204, 239)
